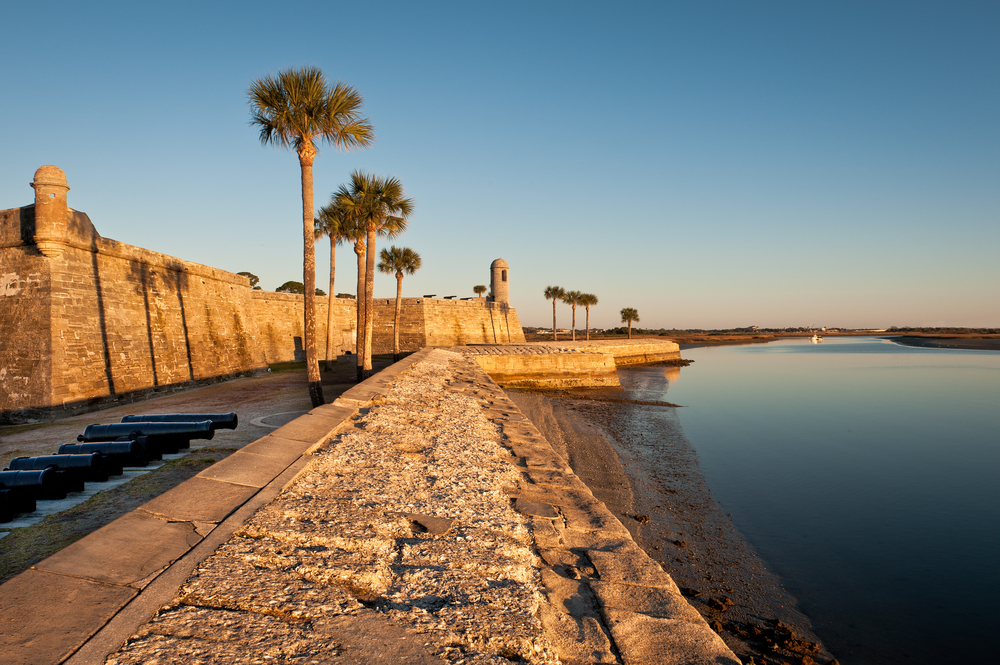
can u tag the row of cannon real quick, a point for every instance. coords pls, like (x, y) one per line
(102, 451)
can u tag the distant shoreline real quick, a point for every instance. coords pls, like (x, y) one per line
(969, 343)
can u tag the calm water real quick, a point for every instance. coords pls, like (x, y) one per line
(867, 474)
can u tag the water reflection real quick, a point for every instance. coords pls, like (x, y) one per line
(866, 473)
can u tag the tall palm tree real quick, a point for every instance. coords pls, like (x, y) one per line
(355, 231)
(479, 289)
(588, 300)
(332, 222)
(295, 109)
(572, 298)
(398, 260)
(379, 204)
(554, 293)
(630, 315)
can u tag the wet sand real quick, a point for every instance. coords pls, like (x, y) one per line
(636, 460)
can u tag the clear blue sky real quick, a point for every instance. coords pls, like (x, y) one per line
(712, 164)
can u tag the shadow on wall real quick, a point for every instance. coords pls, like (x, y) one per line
(181, 278)
(99, 292)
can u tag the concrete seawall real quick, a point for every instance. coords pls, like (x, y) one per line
(624, 351)
(517, 368)
(420, 518)
(567, 364)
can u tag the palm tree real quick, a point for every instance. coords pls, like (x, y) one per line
(629, 315)
(588, 300)
(332, 222)
(377, 203)
(295, 109)
(572, 298)
(554, 293)
(398, 260)
(353, 230)
(479, 289)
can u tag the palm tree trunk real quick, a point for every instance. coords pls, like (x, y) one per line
(588, 324)
(553, 319)
(369, 301)
(359, 342)
(309, 277)
(395, 322)
(329, 309)
(630, 330)
(574, 323)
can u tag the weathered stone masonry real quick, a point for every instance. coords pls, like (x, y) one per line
(85, 320)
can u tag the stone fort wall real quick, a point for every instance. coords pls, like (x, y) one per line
(85, 320)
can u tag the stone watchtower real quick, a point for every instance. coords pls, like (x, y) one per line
(499, 284)
(51, 211)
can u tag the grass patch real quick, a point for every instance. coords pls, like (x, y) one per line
(17, 429)
(25, 547)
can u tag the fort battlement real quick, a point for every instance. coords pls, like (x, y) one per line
(86, 320)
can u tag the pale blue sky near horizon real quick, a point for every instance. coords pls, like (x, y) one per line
(712, 164)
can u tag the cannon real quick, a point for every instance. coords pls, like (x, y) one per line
(115, 455)
(163, 437)
(218, 420)
(80, 468)
(29, 486)
(7, 506)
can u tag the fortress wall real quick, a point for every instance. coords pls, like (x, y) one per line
(94, 320)
(412, 322)
(280, 317)
(459, 322)
(86, 320)
(25, 327)
(127, 320)
(422, 322)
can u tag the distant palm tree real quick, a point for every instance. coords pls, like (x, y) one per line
(295, 109)
(398, 260)
(329, 224)
(572, 298)
(588, 300)
(629, 315)
(554, 293)
(479, 290)
(379, 204)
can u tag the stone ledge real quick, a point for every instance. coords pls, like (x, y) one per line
(92, 580)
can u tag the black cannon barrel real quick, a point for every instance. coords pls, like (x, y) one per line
(40, 484)
(7, 507)
(72, 480)
(219, 420)
(146, 451)
(115, 454)
(87, 467)
(181, 432)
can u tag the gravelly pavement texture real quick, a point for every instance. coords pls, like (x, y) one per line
(437, 525)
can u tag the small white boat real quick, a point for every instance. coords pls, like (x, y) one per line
(816, 339)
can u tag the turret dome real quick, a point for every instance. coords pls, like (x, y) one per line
(49, 175)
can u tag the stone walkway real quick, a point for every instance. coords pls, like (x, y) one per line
(434, 525)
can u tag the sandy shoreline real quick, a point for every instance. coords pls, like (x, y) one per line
(969, 343)
(653, 485)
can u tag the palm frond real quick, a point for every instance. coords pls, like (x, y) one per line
(399, 260)
(297, 106)
(554, 292)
